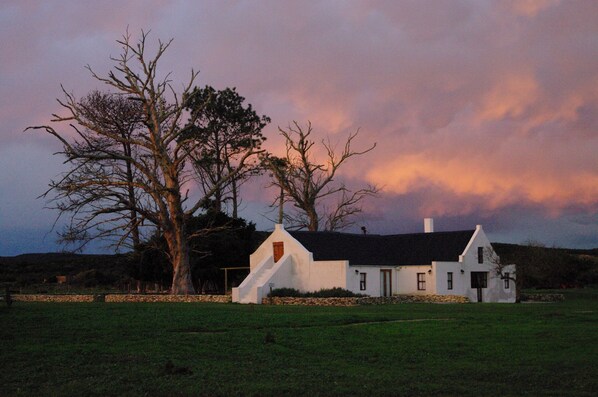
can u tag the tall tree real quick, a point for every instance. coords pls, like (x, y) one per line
(311, 185)
(221, 131)
(94, 192)
(121, 118)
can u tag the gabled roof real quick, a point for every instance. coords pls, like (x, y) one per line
(391, 250)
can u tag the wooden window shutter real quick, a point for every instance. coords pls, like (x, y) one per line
(278, 247)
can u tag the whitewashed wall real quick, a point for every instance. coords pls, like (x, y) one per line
(324, 275)
(291, 247)
(407, 280)
(304, 273)
(460, 280)
(372, 279)
(469, 259)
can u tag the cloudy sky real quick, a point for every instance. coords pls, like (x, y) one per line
(484, 112)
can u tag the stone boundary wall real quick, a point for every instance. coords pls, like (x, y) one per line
(117, 298)
(120, 298)
(365, 300)
(167, 298)
(414, 299)
(542, 297)
(310, 301)
(56, 298)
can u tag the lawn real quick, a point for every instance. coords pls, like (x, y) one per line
(161, 349)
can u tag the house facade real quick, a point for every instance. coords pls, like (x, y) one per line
(442, 263)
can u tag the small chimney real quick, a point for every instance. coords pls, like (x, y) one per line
(429, 225)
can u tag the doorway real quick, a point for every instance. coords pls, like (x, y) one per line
(278, 248)
(479, 281)
(385, 282)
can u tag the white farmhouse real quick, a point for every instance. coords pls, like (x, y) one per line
(443, 263)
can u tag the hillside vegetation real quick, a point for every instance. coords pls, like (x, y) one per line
(540, 267)
(84, 271)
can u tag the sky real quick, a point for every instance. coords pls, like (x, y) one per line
(483, 112)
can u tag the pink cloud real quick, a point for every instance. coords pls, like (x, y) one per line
(492, 105)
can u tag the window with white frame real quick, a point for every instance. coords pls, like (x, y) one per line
(449, 280)
(362, 281)
(507, 281)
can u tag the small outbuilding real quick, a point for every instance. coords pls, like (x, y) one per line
(429, 263)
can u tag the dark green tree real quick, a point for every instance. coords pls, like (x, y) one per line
(221, 132)
(217, 241)
(222, 242)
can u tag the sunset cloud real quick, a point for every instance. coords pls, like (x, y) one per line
(483, 112)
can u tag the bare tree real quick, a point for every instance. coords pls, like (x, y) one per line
(119, 117)
(95, 191)
(311, 186)
(505, 271)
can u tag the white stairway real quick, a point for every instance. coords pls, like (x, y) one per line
(256, 285)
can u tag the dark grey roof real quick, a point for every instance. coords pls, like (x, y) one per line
(393, 250)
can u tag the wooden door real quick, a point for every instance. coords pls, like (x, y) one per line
(385, 282)
(278, 248)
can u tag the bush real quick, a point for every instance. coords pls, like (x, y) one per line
(333, 293)
(323, 293)
(285, 292)
(90, 278)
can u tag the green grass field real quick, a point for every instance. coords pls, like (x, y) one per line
(102, 349)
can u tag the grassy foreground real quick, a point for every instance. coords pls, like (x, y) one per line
(102, 349)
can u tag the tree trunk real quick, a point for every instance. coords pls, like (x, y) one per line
(234, 188)
(132, 199)
(181, 278)
(217, 202)
(312, 217)
(181, 267)
(281, 206)
(178, 245)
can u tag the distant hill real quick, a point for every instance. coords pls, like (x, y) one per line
(544, 267)
(89, 270)
(506, 248)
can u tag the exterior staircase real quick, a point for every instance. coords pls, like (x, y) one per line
(256, 284)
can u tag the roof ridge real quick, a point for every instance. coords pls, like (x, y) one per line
(387, 250)
(379, 235)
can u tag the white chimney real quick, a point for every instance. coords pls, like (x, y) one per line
(429, 225)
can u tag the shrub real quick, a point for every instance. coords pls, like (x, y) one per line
(90, 278)
(285, 292)
(333, 293)
(323, 293)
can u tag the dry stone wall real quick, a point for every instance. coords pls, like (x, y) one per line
(365, 300)
(114, 298)
(120, 298)
(414, 299)
(56, 298)
(168, 298)
(310, 301)
(542, 297)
